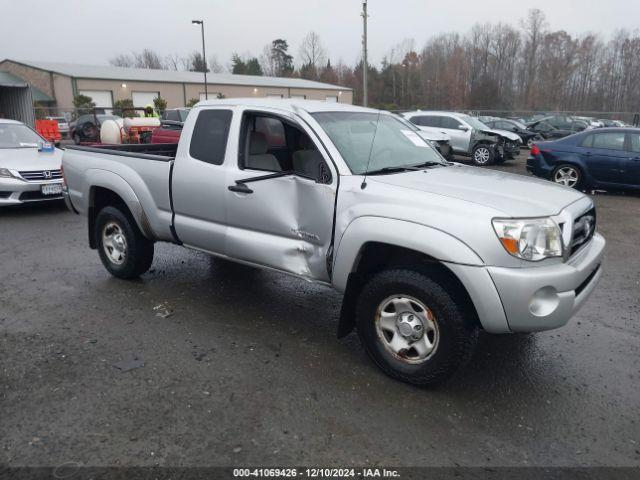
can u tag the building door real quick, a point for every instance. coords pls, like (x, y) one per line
(142, 99)
(102, 98)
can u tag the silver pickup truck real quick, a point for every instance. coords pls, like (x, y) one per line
(426, 252)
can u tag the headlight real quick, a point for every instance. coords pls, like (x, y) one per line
(531, 239)
(4, 173)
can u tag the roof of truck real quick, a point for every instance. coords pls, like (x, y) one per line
(289, 104)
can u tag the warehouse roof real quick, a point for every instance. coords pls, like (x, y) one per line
(105, 72)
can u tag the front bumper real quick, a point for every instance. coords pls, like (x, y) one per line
(534, 298)
(14, 191)
(544, 298)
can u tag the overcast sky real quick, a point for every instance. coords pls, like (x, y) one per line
(92, 31)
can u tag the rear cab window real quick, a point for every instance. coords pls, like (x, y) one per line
(210, 135)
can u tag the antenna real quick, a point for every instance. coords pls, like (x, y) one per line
(365, 67)
(373, 141)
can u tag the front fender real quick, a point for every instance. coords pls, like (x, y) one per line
(414, 236)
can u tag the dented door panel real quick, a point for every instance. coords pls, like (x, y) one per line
(286, 223)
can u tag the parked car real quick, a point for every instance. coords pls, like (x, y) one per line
(63, 125)
(526, 136)
(86, 129)
(426, 251)
(438, 140)
(548, 131)
(590, 122)
(602, 158)
(171, 124)
(566, 123)
(29, 166)
(469, 136)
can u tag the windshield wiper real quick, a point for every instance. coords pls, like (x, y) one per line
(428, 164)
(400, 168)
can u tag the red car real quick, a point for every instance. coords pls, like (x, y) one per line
(171, 126)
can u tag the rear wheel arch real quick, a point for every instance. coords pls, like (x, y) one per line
(101, 197)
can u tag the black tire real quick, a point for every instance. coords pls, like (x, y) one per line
(483, 155)
(499, 160)
(76, 139)
(565, 167)
(456, 335)
(138, 254)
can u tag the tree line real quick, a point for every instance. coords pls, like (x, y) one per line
(493, 66)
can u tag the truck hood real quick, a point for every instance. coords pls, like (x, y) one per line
(21, 159)
(513, 195)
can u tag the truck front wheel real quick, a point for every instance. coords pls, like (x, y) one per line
(412, 328)
(124, 251)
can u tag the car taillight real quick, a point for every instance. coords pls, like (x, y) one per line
(535, 150)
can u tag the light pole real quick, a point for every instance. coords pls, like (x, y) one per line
(204, 56)
(365, 92)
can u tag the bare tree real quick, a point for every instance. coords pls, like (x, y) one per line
(312, 55)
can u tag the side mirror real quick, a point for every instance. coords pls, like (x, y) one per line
(515, 129)
(463, 128)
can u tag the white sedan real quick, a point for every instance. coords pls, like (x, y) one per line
(30, 167)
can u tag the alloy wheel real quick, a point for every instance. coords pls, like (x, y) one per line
(482, 155)
(567, 176)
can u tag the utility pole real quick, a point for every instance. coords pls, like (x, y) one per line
(365, 66)
(204, 56)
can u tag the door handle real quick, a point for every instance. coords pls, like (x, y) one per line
(240, 188)
(588, 154)
(635, 159)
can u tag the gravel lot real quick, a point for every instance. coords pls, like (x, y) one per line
(237, 366)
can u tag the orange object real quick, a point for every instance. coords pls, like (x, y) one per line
(49, 130)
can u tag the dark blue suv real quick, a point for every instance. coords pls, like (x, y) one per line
(599, 158)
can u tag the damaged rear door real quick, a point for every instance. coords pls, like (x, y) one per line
(282, 217)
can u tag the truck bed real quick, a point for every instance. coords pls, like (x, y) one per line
(163, 152)
(139, 174)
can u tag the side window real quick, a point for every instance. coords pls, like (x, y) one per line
(609, 141)
(210, 134)
(635, 142)
(587, 142)
(449, 122)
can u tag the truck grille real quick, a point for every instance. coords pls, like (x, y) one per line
(40, 175)
(583, 229)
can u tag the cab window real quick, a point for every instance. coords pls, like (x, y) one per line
(273, 144)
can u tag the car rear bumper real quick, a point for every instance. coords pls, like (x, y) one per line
(538, 167)
(14, 191)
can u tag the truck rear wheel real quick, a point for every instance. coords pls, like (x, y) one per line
(412, 328)
(124, 251)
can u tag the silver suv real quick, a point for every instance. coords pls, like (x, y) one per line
(469, 136)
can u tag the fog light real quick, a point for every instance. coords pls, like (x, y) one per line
(544, 302)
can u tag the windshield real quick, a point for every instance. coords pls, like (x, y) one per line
(18, 136)
(366, 148)
(474, 122)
